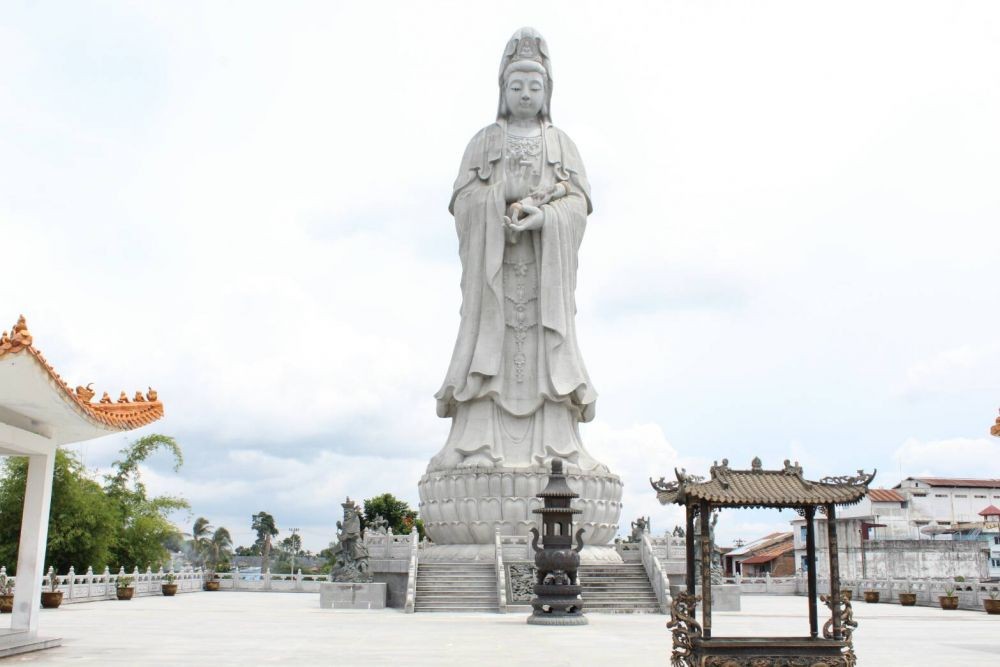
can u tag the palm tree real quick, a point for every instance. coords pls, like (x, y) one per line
(220, 544)
(263, 523)
(200, 539)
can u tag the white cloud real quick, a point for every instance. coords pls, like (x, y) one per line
(954, 457)
(955, 370)
(247, 211)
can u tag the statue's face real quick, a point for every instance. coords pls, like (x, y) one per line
(525, 94)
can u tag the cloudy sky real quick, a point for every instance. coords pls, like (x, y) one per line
(794, 253)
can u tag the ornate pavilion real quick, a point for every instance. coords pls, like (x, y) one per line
(38, 413)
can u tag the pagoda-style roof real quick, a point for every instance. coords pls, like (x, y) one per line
(995, 429)
(35, 398)
(990, 510)
(761, 488)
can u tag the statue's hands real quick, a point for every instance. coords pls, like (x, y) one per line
(533, 219)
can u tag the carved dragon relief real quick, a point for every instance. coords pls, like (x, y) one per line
(847, 625)
(684, 629)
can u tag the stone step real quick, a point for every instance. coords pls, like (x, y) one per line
(456, 610)
(456, 588)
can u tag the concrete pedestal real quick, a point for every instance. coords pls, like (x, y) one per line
(725, 597)
(346, 595)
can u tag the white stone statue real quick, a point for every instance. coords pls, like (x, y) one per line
(517, 387)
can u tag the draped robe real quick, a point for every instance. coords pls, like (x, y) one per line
(494, 422)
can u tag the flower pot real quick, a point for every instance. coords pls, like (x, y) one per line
(6, 604)
(212, 585)
(948, 601)
(908, 599)
(992, 606)
(125, 593)
(169, 589)
(871, 596)
(51, 599)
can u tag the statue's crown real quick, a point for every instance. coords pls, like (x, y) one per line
(527, 49)
(525, 44)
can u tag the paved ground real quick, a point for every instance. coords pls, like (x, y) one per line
(284, 628)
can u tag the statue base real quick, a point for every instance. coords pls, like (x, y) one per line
(467, 506)
(557, 620)
(344, 595)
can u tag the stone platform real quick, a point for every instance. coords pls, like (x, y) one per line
(725, 597)
(227, 628)
(345, 595)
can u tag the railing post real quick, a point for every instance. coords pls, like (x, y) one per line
(500, 574)
(411, 572)
(236, 577)
(70, 581)
(298, 580)
(267, 579)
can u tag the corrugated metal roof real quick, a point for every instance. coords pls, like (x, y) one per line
(767, 555)
(958, 482)
(885, 496)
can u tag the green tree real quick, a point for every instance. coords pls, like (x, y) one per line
(220, 546)
(396, 512)
(263, 524)
(82, 520)
(143, 526)
(200, 539)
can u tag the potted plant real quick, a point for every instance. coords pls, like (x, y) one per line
(992, 604)
(211, 581)
(909, 598)
(124, 590)
(168, 587)
(6, 594)
(872, 596)
(949, 600)
(52, 598)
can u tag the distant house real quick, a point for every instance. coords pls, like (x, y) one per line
(922, 527)
(772, 554)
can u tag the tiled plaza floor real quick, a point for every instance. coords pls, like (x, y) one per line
(287, 628)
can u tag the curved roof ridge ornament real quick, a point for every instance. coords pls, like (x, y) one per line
(861, 479)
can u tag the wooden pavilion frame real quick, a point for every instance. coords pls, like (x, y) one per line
(694, 645)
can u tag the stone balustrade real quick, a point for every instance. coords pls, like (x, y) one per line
(90, 586)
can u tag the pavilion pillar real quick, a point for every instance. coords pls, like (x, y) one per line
(811, 570)
(689, 549)
(831, 531)
(31, 548)
(706, 571)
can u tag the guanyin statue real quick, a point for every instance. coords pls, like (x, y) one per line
(517, 387)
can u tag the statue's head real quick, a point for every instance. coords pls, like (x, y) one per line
(525, 77)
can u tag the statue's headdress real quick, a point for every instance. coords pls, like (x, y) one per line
(526, 51)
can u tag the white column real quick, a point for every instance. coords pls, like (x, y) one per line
(31, 549)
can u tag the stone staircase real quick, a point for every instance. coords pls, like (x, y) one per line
(456, 587)
(617, 589)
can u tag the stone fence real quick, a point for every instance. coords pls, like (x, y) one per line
(90, 587)
(970, 593)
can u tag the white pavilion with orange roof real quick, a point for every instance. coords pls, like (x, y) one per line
(38, 413)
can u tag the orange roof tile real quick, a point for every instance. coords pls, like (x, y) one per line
(885, 496)
(124, 415)
(992, 510)
(768, 555)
